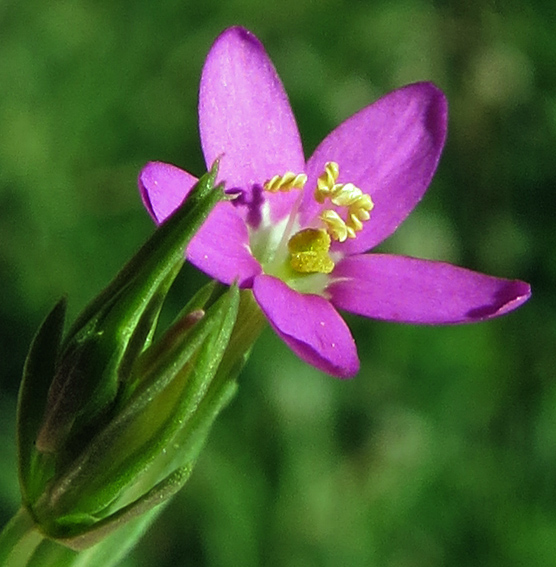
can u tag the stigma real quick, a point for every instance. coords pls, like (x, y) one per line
(309, 251)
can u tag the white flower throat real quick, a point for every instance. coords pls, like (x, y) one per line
(307, 251)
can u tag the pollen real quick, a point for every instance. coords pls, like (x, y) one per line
(286, 182)
(309, 251)
(358, 205)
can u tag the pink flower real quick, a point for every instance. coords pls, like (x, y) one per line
(297, 230)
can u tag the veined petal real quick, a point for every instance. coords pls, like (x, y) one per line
(389, 150)
(245, 117)
(309, 325)
(410, 290)
(163, 188)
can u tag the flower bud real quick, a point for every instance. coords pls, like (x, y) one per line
(100, 408)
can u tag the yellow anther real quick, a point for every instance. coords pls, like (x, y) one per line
(354, 223)
(327, 181)
(357, 203)
(336, 226)
(286, 182)
(362, 214)
(309, 251)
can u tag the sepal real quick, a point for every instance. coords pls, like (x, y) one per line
(158, 494)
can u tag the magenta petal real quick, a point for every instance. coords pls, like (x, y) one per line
(309, 325)
(163, 188)
(244, 113)
(410, 290)
(389, 150)
(221, 248)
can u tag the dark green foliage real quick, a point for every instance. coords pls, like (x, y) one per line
(442, 451)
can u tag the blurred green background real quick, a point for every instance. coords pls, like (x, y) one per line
(443, 450)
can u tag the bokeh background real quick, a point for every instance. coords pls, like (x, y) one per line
(443, 450)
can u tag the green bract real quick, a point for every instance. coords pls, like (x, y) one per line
(109, 422)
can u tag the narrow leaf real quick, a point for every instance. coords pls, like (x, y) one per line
(37, 376)
(102, 344)
(162, 251)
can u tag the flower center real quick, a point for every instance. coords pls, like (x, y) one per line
(309, 248)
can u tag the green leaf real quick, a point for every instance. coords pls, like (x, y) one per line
(101, 346)
(38, 373)
(191, 437)
(159, 255)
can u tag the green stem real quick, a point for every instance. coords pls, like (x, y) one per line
(18, 540)
(22, 545)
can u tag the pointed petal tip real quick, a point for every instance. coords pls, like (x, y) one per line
(346, 372)
(403, 289)
(434, 104)
(237, 33)
(143, 183)
(343, 367)
(437, 118)
(510, 295)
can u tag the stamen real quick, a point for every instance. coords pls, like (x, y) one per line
(308, 251)
(336, 226)
(355, 223)
(286, 182)
(326, 181)
(347, 195)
